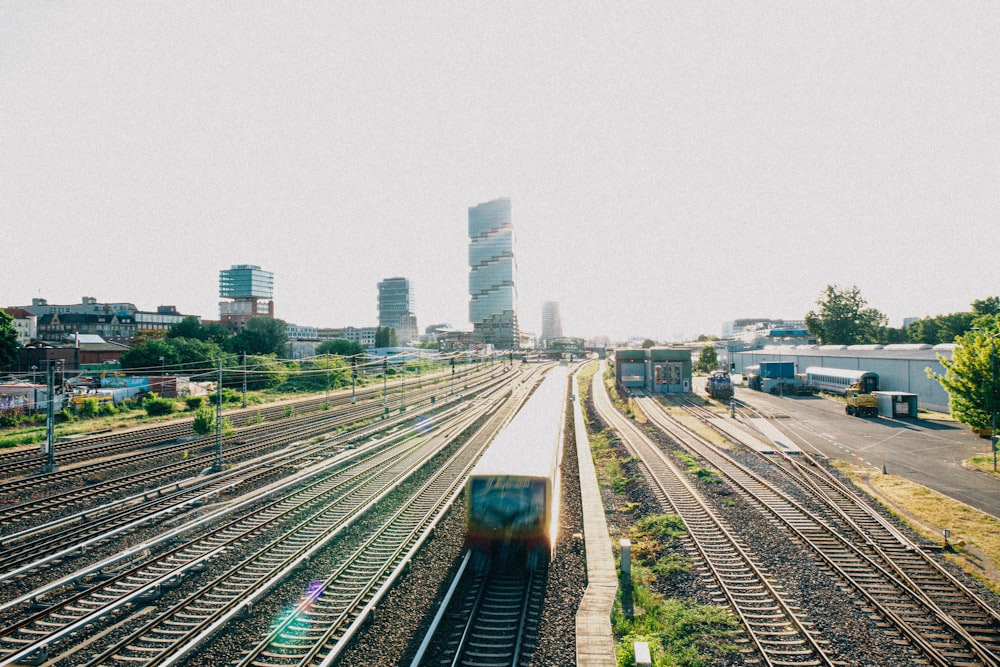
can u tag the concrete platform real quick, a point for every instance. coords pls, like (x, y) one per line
(774, 439)
(595, 646)
(735, 430)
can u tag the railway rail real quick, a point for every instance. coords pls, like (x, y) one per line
(777, 632)
(305, 523)
(939, 616)
(488, 617)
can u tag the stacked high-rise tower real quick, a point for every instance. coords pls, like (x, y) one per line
(551, 322)
(492, 275)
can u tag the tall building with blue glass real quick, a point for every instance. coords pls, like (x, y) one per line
(493, 275)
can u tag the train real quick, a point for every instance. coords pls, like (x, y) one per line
(719, 385)
(512, 492)
(776, 377)
(838, 380)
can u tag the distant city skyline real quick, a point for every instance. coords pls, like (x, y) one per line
(673, 166)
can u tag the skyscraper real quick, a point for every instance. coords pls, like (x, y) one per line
(551, 322)
(395, 308)
(492, 275)
(252, 292)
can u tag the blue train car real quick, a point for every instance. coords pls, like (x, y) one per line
(512, 493)
(719, 385)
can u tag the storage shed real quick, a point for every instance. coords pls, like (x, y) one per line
(895, 404)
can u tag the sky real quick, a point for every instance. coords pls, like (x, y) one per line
(671, 165)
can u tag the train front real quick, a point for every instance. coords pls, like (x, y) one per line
(509, 517)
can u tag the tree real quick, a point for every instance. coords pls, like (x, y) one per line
(340, 347)
(708, 358)
(146, 356)
(844, 318)
(386, 337)
(648, 343)
(973, 388)
(195, 352)
(988, 306)
(261, 335)
(9, 347)
(189, 327)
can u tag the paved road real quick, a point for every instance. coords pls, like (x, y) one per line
(922, 450)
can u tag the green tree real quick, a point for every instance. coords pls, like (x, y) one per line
(988, 306)
(844, 318)
(146, 356)
(386, 337)
(648, 343)
(195, 352)
(261, 335)
(973, 390)
(10, 349)
(189, 327)
(708, 358)
(340, 347)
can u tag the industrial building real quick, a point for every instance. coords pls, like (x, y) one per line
(902, 369)
(658, 370)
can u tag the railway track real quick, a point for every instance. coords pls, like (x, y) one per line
(256, 549)
(50, 544)
(936, 614)
(29, 461)
(490, 616)
(777, 633)
(87, 486)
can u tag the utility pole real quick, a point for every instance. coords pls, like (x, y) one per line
(244, 379)
(50, 423)
(217, 466)
(354, 378)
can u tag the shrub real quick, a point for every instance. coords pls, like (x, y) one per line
(89, 408)
(204, 420)
(157, 407)
(194, 402)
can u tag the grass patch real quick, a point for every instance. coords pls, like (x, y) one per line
(679, 633)
(692, 467)
(974, 541)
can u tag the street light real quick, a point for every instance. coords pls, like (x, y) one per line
(993, 398)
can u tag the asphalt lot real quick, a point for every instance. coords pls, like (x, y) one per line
(927, 451)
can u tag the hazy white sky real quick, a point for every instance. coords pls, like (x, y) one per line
(671, 165)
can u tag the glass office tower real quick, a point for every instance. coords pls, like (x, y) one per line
(492, 275)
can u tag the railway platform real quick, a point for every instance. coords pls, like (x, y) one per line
(776, 440)
(595, 646)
